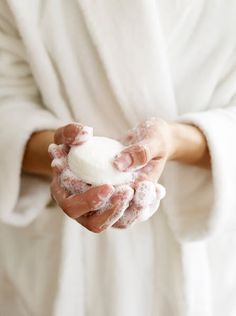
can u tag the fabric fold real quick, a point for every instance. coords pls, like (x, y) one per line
(18, 120)
(22, 113)
(213, 211)
(151, 92)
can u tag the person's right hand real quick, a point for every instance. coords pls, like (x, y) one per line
(94, 207)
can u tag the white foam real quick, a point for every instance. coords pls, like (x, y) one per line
(145, 193)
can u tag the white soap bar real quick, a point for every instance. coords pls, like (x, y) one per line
(92, 162)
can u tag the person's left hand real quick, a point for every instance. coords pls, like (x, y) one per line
(94, 207)
(149, 147)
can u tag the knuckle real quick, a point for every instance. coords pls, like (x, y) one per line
(96, 204)
(97, 201)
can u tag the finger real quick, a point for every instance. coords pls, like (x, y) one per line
(160, 191)
(59, 164)
(133, 157)
(129, 216)
(57, 151)
(73, 134)
(149, 209)
(143, 204)
(135, 214)
(58, 154)
(108, 215)
(77, 205)
(72, 183)
(145, 194)
(150, 142)
(57, 192)
(147, 212)
(152, 171)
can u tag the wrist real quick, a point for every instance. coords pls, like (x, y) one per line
(36, 158)
(175, 141)
(189, 144)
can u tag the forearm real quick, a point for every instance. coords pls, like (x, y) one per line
(189, 145)
(36, 158)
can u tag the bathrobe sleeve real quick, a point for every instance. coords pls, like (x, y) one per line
(206, 201)
(22, 197)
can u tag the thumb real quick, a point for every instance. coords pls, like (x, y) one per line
(136, 156)
(73, 134)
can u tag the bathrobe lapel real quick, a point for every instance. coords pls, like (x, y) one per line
(129, 42)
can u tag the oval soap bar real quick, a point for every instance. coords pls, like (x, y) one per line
(92, 162)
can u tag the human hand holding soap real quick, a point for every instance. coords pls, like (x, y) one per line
(149, 146)
(96, 207)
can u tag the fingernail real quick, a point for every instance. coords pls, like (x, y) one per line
(123, 161)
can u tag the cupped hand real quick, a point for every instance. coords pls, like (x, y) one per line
(149, 147)
(95, 207)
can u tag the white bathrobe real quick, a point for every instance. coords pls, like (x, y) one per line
(111, 64)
